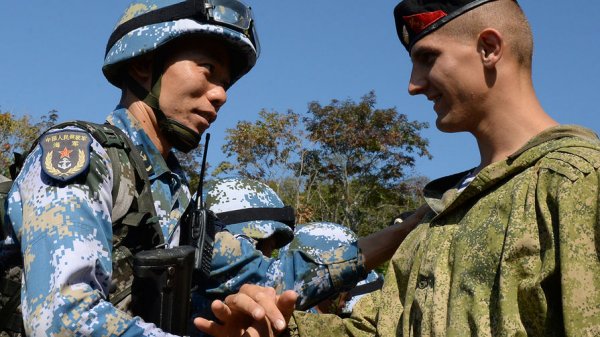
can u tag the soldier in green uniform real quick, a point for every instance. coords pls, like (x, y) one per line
(511, 246)
(80, 208)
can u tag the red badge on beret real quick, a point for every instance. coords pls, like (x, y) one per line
(418, 22)
(417, 18)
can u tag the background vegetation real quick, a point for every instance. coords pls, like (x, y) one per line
(346, 162)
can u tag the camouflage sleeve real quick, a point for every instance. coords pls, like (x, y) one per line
(362, 322)
(376, 314)
(570, 202)
(317, 278)
(236, 262)
(65, 233)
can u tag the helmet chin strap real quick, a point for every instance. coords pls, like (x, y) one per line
(180, 136)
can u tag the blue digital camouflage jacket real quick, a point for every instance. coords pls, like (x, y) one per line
(65, 233)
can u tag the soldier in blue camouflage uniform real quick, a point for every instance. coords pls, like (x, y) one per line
(313, 276)
(326, 259)
(173, 67)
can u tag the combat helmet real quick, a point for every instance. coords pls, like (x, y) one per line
(316, 239)
(250, 208)
(148, 25)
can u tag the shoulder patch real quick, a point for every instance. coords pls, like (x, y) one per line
(65, 154)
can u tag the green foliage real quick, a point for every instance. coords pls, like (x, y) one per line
(17, 134)
(262, 149)
(357, 140)
(191, 164)
(363, 154)
(344, 162)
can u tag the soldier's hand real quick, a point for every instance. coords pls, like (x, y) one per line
(254, 311)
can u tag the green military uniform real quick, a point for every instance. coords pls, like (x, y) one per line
(515, 253)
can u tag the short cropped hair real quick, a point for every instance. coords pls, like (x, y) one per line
(507, 17)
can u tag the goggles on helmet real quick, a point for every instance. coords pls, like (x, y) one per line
(232, 14)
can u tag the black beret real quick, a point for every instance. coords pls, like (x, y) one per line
(417, 18)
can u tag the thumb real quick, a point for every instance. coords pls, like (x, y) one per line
(286, 304)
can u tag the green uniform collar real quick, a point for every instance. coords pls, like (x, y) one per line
(442, 194)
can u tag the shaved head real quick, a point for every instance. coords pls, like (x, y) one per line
(507, 17)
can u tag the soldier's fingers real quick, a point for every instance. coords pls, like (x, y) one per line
(221, 311)
(208, 327)
(245, 305)
(268, 300)
(286, 304)
(254, 290)
(231, 325)
(260, 328)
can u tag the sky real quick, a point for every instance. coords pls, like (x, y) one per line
(51, 54)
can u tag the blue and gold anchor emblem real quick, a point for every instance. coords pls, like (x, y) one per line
(65, 154)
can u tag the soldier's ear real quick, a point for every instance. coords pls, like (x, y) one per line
(490, 46)
(140, 69)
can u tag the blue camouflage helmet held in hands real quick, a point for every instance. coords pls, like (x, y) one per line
(250, 208)
(319, 238)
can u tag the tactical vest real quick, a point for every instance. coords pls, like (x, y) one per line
(135, 224)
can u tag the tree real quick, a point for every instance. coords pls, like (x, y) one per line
(191, 164)
(344, 162)
(263, 150)
(364, 153)
(17, 134)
